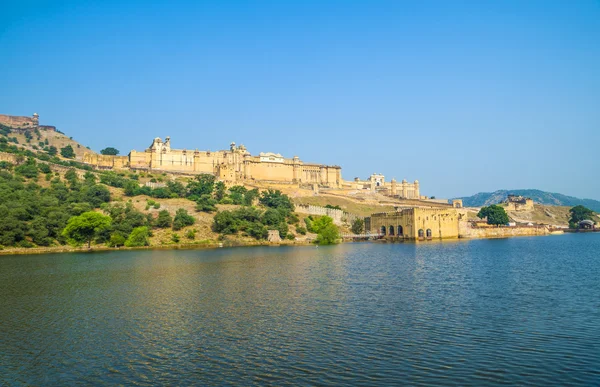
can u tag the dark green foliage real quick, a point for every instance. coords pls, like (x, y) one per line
(206, 203)
(251, 221)
(175, 238)
(109, 151)
(95, 195)
(219, 191)
(140, 236)
(44, 168)
(52, 151)
(164, 219)
(250, 196)
(182, 219)
(201, 185)
(333, 207)
(301, 230)
(125, 218)
(177, 188)
(190, 234)
(358, 226)
(29, 169)
(309, 224)
(275, 199)
(579, 213)
(495, 215)
(67, 152)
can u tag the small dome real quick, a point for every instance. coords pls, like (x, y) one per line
(416, 181)
(35, 115)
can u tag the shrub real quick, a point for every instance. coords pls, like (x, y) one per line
(175, 238)
(117, 239)
(138, 237)
(300, 230)
(190, 234)
(164, 219)
(182, 219)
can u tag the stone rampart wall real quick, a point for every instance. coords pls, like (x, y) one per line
(339, 216)
(468, 231)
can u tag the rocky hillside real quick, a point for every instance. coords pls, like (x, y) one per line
(541, 197)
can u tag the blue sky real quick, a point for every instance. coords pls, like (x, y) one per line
(466, 96)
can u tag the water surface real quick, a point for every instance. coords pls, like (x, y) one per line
(521, 311)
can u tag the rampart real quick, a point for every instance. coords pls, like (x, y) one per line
(470, 231)
(339, 216)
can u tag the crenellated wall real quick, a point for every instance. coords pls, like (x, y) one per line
(339, 216)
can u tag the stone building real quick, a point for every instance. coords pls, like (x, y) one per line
(518, 203)
(376, 182)
(233, 165)
(418, 223)
(22, 123)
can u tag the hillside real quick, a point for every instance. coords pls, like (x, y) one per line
(541, 197)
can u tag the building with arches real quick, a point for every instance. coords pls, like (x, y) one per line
(418, 223)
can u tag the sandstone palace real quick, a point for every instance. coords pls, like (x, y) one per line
(233, 165)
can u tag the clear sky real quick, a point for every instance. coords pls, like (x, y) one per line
(466, 96)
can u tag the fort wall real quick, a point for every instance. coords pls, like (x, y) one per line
(470, 231)
(339, 216)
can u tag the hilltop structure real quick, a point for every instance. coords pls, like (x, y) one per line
(233, 165)
(22, 123)
(518, 203)
(376, 182)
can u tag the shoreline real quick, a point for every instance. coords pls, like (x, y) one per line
(216, 245)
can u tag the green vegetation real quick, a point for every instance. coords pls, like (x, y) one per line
(327, 232)
(182, 219)
(164, 220)
(140, 236)
(579, 213)
(67, 152)
(275, 214)
(495, 215)
(333, 207)
(85, 227)
(110, 151)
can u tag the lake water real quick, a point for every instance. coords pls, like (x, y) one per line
(521, 311)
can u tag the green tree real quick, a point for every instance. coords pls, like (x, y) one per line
(85, 227)
(117, 239)
(206, 203)
(250, 196)
(140, 236)
(358, 226)
(275, 199)
(52, 151)
(327, 232)
(495, 214)
(110, 151)
(182, 219)
(579, 213)
(164, 219)
(201, 185)
(219, 191)
(67, 152)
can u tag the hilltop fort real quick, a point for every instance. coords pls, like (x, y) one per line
(237, 165)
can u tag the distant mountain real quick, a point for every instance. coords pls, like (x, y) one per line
(542, 197)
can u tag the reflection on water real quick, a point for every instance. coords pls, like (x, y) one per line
(511, 311)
